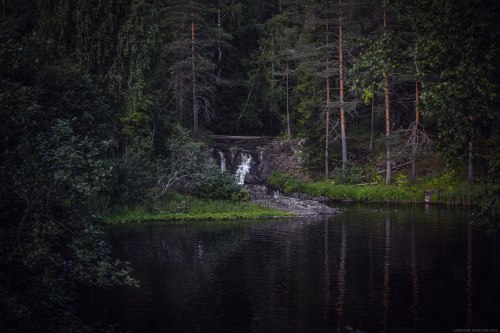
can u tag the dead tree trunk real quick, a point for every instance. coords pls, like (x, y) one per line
(415, 130)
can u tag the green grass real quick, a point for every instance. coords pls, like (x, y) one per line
(444, 189)
(181, 208)
(365, 193)
(340, 192)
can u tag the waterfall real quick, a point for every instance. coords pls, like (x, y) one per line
(243, 168)
(222, 161)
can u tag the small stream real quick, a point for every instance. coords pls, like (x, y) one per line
(373, 268)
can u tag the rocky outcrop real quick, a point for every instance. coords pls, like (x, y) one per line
(269, 197)
(267, 155)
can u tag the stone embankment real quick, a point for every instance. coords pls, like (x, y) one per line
(265, 196)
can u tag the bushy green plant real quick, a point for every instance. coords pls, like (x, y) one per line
(132, 180)
(353, 174)
(402, 180)
(487, 202)
(212, 183)
(372, 175)
(177, 168)
(447, 180)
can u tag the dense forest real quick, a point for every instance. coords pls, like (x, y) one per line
(111, 101)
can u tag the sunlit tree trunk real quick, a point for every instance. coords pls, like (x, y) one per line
(342, 109)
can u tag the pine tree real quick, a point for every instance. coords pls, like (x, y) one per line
(196, 41)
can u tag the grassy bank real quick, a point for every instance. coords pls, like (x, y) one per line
(184, 208)
(443, 190)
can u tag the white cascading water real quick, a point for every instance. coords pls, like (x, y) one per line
(243, 168)
(222, 161)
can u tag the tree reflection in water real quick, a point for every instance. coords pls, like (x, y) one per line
(469, 276)
(387, 288)
(327, 292)
(414, 277)
(341, 277)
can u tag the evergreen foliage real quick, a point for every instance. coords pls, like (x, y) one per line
(110, 102)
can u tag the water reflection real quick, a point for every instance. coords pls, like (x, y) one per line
(341, 277)
(370, 265)
(368, 269)
(327, 292)
(387, 288)
(469, 276)
(414, 277)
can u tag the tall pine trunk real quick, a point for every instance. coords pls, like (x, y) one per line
(327, 122)
(372, 121)
(387, 131)
(470, 169)
(342, 109)
(193, 77)
(387, 114)
(288, 103)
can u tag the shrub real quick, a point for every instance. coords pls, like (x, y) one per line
(132, 178)
(182, 161)
(353, 174)
(487, 202)
(401, 180)
(212, 183)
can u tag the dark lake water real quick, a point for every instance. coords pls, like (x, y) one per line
(373, 268)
